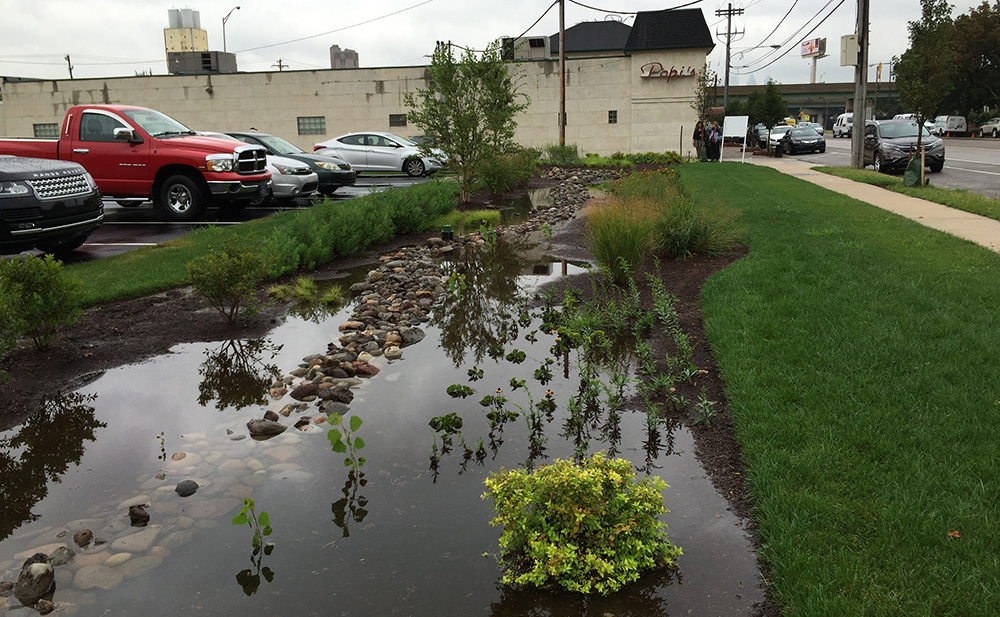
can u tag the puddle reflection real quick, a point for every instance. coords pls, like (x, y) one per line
(235, 374)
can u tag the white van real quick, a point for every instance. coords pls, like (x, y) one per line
(948, 124)
(843, 124)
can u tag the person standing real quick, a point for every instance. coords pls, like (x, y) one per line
(698, 139)
(714, 142)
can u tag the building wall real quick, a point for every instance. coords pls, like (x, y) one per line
(650, 112)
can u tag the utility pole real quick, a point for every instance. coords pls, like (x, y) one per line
(70, 65)
(280, 66)
(562, 72)
(860, 89)
(728, 14)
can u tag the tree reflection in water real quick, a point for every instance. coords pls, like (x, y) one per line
(483, 310)
(40, 452)
(235, 375)
(640, 599)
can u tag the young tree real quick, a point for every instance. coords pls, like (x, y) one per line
(924, 71)
(470, 108)
(704, 92)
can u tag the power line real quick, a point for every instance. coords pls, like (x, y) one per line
(794, 34)
(775, 28)
(593, 8)
(555, 2)
(360, 23)
(800, 40)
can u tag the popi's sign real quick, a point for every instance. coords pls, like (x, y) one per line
(655, 69)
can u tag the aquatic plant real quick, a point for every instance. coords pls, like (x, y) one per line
(343, 440)
(249, 579)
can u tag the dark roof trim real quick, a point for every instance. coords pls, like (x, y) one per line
(669, 29)
(591, 36)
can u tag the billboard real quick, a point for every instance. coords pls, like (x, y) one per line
(814, 48)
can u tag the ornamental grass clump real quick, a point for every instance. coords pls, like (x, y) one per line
(621, 234)
(587, 528)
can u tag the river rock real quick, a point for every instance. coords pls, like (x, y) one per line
(117, 559)
(393, 353)
(363, 369)
(411, 336)
(184, 488)
(177, 539)
(35, 581)
(44, 549)
(265, 428)
(6, 588)
(278, 392)
(282, 453)
(351, 325)
(104, 577)
(44, 607)
(137, 542)
(301, 391)
(138, 515)
(61, 556)
(339, 394)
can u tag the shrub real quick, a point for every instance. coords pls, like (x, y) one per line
(684, 229)
(655, 185)
(620, 235)
(38, 298)
(654, 158)
(504, 173)
(586, 528)
(228, 278)
(566, 154)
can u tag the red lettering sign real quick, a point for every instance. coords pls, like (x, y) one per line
(655, 69)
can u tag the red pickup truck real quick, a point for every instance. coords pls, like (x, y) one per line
(134, 153)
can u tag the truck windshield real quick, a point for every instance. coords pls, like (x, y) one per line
(156, 123)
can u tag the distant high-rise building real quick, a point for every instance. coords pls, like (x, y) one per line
(343, 59)
(184, 33)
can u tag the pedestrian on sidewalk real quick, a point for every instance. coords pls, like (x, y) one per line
(698, 139)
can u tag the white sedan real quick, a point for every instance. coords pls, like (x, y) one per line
(777, 134)
(382, 152)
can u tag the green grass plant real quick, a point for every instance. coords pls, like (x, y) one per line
(621, 234)
(287, 241)
(466, 221)
(953, 198)
(564, 154)
(861, 353)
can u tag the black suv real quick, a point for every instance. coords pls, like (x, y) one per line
(49, 205)
(888, 144)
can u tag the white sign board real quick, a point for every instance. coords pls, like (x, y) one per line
(735, 126)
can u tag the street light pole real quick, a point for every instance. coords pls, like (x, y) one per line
(224, 20)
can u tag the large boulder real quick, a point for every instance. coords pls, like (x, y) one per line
(36, 580)
(265, 428)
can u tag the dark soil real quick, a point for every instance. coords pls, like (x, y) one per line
(126, 332)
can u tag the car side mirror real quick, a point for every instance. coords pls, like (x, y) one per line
(124, 134)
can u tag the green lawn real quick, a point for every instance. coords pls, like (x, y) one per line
(960, 200)
(861, 353)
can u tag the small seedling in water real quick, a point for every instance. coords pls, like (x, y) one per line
(704, 409)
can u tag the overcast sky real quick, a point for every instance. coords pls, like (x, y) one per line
(121, 37)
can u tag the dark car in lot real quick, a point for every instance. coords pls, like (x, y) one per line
(333, 172)
(888, 144)
(803, 139)
(46, 204)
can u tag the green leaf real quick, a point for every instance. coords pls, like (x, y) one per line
(267, 530)
(359, 443)
(240, 519)
(361, 463)
(347, 462)
(264, 519)
(355, 423)
(333, 419)
(339, 447)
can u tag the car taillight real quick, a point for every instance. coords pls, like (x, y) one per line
(318, 147)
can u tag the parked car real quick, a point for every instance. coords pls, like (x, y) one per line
(134, 153)
(49, 205)
(813, 125)
(947, 124)
(776, 135)
(803, 139)
(333, 171)
(991, 128)
(842, 125)
(383, 152)
(888, 144)
(289, 178)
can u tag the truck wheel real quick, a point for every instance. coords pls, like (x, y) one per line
(181, 199)
(413, 167)
(129, 203)
(877, 162)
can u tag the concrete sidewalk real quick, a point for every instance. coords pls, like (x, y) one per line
(978, 229)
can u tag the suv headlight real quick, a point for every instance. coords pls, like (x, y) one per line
(285, 169)
(219, 162)
(90, 180)
(326, 165)
(15, 188)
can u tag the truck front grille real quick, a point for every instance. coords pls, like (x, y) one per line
(251, 161)
(55, 188)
